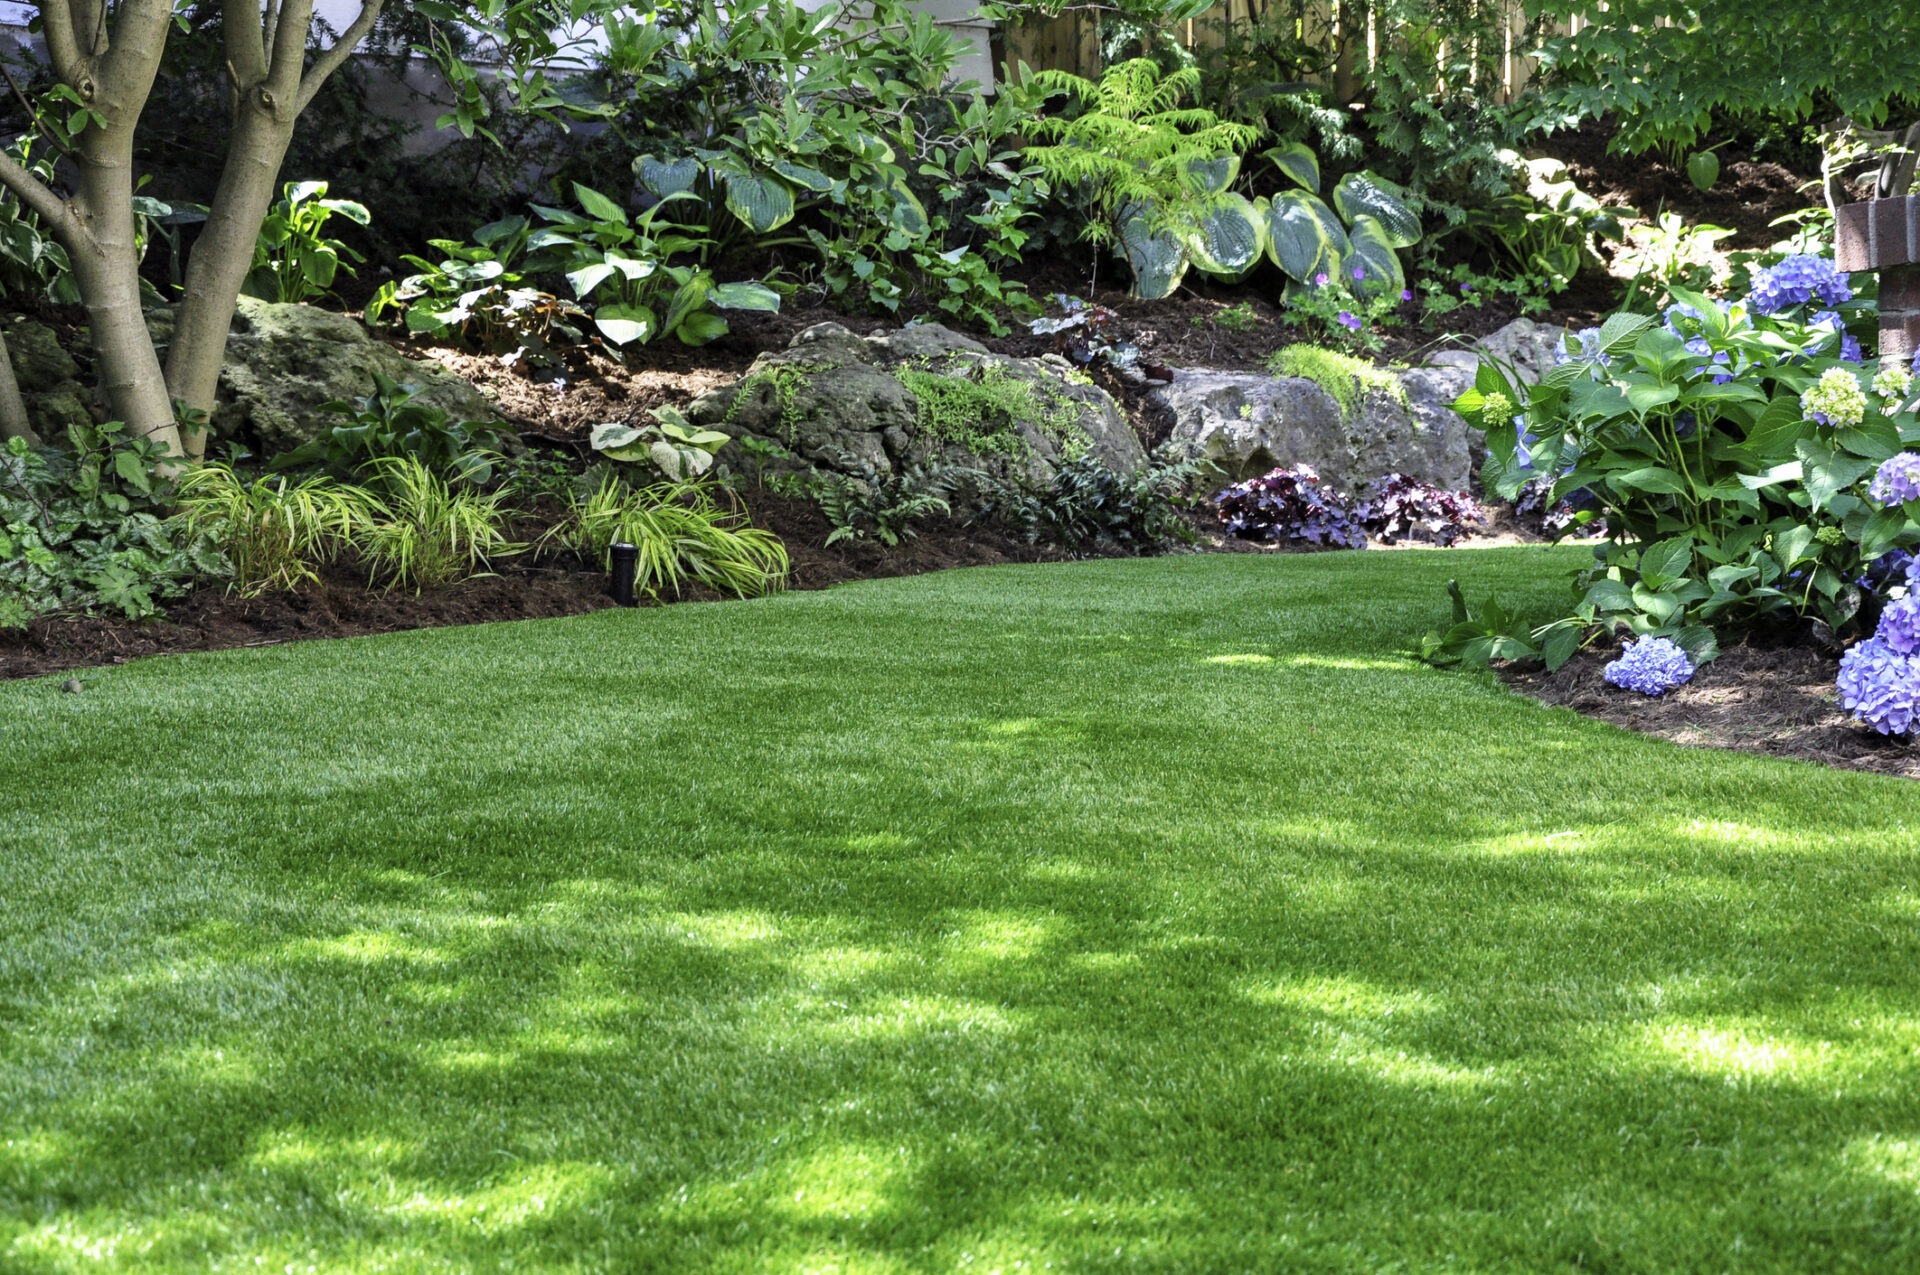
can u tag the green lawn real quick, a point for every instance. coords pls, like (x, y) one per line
(1135, 915)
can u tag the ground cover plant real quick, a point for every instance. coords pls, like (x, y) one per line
(1133, 915)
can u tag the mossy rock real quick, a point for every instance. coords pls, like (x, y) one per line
(831, 394)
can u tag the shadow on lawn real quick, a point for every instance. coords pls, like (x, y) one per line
(1640, 1045)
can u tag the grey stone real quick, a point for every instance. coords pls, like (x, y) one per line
(1248, 424)
(284, 361)
(39, 364)
(1530, 347)
(831, 394)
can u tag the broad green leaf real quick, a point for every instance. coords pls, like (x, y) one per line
(1664, 563)
(625, 324)
(1652, 478)
(1299, 163)
(761, 201)
(744, 296)
(588, 277)
(598, 206)
(1607, 594)
(1875, 438)
(1371, 252)
(1558, 644)
(1231, 237)
(1214, 175)
(1790, 472)
(700, 328)
(1364, 195)
(1158, 259)
(664, 177)
(617, 440)
(1645, 395)
(1782, 424)
(1703, 169)
(1304, 236)
(688, 299)
(1619, 333)
(906, 213)
(804, 177)
(1790, 546)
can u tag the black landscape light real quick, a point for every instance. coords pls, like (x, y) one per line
(623, 559)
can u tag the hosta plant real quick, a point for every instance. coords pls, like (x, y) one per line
(677, 448)
(1356, 238)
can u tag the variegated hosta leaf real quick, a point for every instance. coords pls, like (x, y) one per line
(1364, 195)
(1158, 259)
(625, 324)
(744, 296)
(664, 177)
(800, 175)
(1231, 237)
(907, 213)
(761, 201)
(1298, 162)
(1304, 237)
(617, 440)
(1215, 175)
(1372, 253)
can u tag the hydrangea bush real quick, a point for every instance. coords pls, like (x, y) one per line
(1743, 467)
(1879, 678)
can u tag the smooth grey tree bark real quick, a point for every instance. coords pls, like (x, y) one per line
(13, 409)
(108, 52)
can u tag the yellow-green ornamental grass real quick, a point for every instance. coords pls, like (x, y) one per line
(1147, 915)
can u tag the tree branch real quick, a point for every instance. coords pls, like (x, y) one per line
(325, 64)
(37, 196)
(288, 52)
(246, 50)
(63, 50)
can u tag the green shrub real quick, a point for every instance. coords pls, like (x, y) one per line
(274, 531)
(83, 530)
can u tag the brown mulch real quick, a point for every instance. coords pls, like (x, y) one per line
(342, 605)
(1759, 698)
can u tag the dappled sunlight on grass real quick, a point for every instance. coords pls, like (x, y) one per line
(1171, 920)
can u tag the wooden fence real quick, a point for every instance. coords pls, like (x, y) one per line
(1347, 34)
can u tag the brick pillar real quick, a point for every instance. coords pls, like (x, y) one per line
(1884, 235)
(1899, 315)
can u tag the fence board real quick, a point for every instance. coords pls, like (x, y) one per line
(1345, 30)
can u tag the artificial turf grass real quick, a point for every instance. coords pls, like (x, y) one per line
(1128, 915)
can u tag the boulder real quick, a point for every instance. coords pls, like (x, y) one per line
(831, 395)
(284, 361)
(1247, 424)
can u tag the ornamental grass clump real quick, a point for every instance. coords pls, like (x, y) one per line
(1291, 505)
(1652, 666)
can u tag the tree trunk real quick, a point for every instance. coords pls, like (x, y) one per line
(223, 253)
(107, 268)
(13, 410)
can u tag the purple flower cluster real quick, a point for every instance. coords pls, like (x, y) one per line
(1879, 679)
(1799, 280)
(1290, 504)
(1401, 508)
(1652, 666)
(1849, 344)
(1898, 480)
(1878, 685)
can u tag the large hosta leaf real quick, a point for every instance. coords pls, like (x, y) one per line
(625, 324)
(907, 213)
(1214, 175)
(744, 296)
(800, 175)
(1304, 237)
(664, 177)
(1230, 239)
(1364, 195)
(1371, 253)
(1297, 161)
(1158, 258)
(761, 201)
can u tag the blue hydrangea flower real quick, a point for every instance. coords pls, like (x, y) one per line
(1914, 367)
(1799, 280)
(1681, 318)
(1878, 685)
(1887, 570)
(1589, 354)
(1898, 480)
(1900, 626)
(1652, 666)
